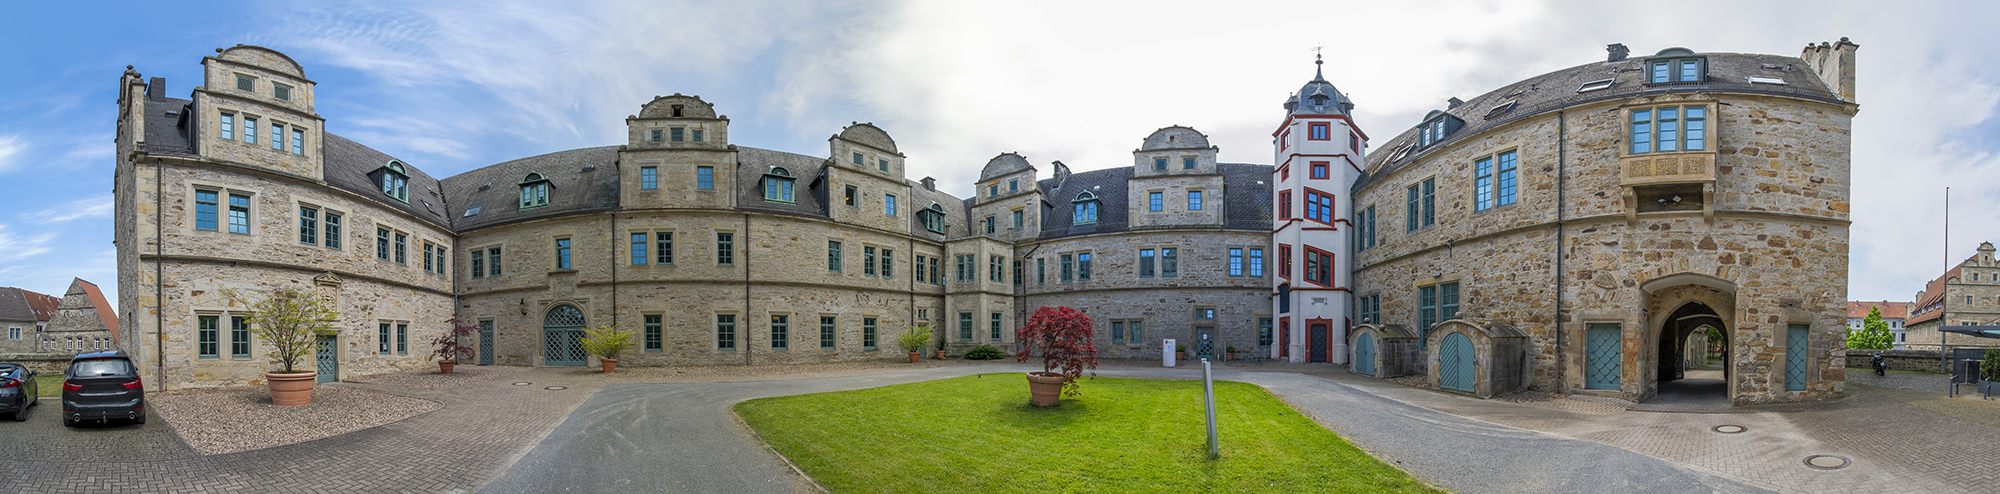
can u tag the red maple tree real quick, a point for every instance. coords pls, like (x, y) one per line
(1062, 336)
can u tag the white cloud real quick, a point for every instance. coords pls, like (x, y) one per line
(9, 147)
(16, 246)
(97, 207)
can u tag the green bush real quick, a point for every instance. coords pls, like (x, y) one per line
(985, 352)
(1992, 365)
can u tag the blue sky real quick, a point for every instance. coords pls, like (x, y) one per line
(453, 86)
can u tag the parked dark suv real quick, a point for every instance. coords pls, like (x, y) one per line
(18, 391)
(102, 386)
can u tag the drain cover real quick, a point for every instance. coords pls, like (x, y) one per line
(1826, 462)
(522, 384)
(1730, 429)
(556, 388)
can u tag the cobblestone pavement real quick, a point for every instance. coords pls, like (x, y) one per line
(490, 431)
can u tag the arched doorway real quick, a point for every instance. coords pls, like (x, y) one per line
(1686, 373)
(562, 337)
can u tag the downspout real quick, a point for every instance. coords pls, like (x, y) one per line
(614, 267)
(907, 273)
(1562, 156)
(743, 327)
(159, 275)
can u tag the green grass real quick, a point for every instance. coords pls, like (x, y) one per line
(49, 386)
(979, 434)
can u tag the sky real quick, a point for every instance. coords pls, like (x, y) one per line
(452, 86)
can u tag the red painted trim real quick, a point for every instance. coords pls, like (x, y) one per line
(1349, 158)
(1319, 229)
(1330, 272)
(1310, 169)
(1327, 125)
(1343, 118)
(1328, 324)
(1330, 199)
(1284, 172)
(1284, 336)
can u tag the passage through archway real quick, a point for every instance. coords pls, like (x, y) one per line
(1693, 349)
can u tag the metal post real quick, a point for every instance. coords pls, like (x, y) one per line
(1208, 396)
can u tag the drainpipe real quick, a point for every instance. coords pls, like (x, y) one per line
(743, 326)
(614, 268)
(1562, 150)
(159, 277)
(910, 274)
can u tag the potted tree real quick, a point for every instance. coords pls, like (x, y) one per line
(290, 322)
(913, 340)
(449, 347)
(1063, 338)
(940, 347)
(607, 342)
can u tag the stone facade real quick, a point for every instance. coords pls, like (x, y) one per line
(23, 316)
(1746, 229)
(1968, 294)
(82, 322)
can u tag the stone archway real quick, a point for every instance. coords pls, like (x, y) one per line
(1676, 306)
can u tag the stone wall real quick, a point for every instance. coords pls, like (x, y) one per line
(1166, 305)
(1902, 360)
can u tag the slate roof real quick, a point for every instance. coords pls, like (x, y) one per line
(572, 190)
(1247, 203)
(1727, 72)
(957, 213)
(808, 183)
(167, 135)
(348, 164)
(25, 306)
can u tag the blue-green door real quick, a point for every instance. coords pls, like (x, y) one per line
(1604, 357)
(562, 337)
(326, 353)
(1456, 363)
(1364, 355)
(485, 342)
(1795, 357)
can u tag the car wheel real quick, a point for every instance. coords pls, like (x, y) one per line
(141, 419)
(21, 415)
(69, 422)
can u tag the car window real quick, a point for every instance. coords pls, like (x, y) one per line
(100, 367)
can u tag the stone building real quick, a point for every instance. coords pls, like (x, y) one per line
(23, 315)
(1318, 157)
(239, 191)
(1893, 314)
(1601, 214)
(83, 322)
(1966, 295)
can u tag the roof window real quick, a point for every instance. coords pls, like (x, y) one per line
(1502, 108)
(1596, 85)
(1767, 80)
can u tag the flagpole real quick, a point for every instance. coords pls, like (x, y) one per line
(1944, 352)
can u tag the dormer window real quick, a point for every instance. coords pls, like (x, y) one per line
(778, 185)
(281, 91)
(1085, 205)
(933, 217)
(534, 191)
(1433, 131)
(677, 110)
(1675, 65)
(395, 180)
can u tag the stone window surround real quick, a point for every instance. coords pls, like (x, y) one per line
(222, 194)
(1156, 200)
(243, 79)
(735, 330)
(556, 246)
(836, 255)
(325, 236)
(772, 325)
(1493, 153)
(645, 327)
(1019, 217)
(821, 331)
(1425, 202)
(223, 318)
(1127, 336)
(395, 326)
(866, 321)
(719, 255)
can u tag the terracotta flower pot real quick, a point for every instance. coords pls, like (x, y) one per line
(913, 357)
(1044, 389)
(444, 366)
(610, 364)
(290, 390)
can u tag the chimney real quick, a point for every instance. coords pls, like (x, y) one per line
(1834, 62)
(1616, 52)
(156, 89)
(1061, 173)
(1452, 104)
(929, 183)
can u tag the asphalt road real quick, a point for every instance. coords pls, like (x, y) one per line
(682, 438)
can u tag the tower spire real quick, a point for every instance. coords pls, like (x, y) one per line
(1319, 63)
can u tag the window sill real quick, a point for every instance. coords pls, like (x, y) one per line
(562, 271)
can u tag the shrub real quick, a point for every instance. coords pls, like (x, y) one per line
(607, 341)
(913, 340)
(451, 346)
(291, 322)
(1063, 337)
(985, 352)
(1991, 367)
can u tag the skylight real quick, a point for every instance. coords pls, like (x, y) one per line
(1766, 80)
(470, 212)
(1596, 85)
(1501, 108)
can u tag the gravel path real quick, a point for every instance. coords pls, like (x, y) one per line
(229, 420)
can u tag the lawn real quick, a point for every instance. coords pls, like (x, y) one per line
(978, 434)
(49, 385)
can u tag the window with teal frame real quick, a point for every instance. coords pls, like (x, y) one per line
(396, 181)
(534, 190)
(778, 185)
(1086, 208)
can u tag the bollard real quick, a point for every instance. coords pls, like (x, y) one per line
(1208, 397)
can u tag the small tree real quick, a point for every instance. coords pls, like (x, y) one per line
(1874, 333)
(1991, 366)
(913, 340)
(1063, 337)
(449, 346)
(607, 341)
(290, 322)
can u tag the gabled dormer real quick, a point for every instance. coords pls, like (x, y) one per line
(1174, 150)
(393, 179)
(677, 122)
(1436, 127)
(255, 108)
(1676, 66)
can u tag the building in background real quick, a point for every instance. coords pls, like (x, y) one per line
(1893, 313)
(23, 316)
(83, 322)
(1966, 295)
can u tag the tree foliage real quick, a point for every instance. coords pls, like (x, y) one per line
(913, 340)
(290, 322)
(1064, 338)
(451, 346)
(1874, 333)
(607, 341)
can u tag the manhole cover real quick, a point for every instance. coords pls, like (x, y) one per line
(1826, 462)
(522, 384)
(556, 388)
(1730, 429)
